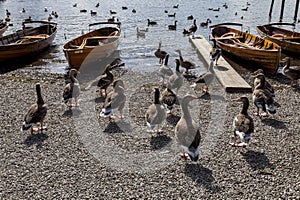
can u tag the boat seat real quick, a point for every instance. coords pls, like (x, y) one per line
(40, 36)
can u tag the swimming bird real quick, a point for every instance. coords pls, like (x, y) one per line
(97, 5)
(243, 124)
(204, 24)
(257, 80)
(193, 28)
(245, 9)
(292, 72)
(173, 26)
(185, 63)
(186, 131)
(190, 17)
(165, 70)
(75, 5)
(160, 53)
(168, 97)
(23, 10)
(112, 12)
(36, 113)
(176, 79)
(93, 13)
(151, 22)
(263, 99)
(83, 11)
(124, 7)
(50, 17)
(72, 90)
(205, 79)
(115, 100)
(215, 54)
(176, 6)
(7, 13)
(155, 114)
(172, 15)
(141, 32)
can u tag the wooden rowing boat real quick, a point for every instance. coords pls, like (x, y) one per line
(251, 49)
(17, 46)
(288, 40)
(93, 46)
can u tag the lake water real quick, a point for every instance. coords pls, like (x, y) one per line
(138, 52)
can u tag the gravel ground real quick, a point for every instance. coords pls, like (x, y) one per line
(83, 156)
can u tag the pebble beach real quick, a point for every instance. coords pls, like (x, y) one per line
(68, 160)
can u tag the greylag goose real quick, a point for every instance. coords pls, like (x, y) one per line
(193, 28)
(160, 53)
(185, 63)
(72, 89)
(155, 114)
(114, 100)
(173, 27)
(176, 79)
(292, 72)
(256, 81)
(186, 131)
(243, 125)
(205, 78)
(263, 99)
(36, 113)
(215, 54)
(168, 97)
(165, 70)
(103, 81)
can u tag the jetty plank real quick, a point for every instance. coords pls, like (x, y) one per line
(225, 73)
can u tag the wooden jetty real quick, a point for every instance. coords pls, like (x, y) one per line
(226, 75)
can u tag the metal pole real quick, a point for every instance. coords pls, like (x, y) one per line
(282, 9)
(296, 11)
(271, 8)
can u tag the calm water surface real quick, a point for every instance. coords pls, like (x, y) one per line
(137, 52)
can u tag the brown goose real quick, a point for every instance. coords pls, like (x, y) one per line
(160, 54)
(169, 98)
(186, 131)
(243, 125)
(103, 81)
(176, 79)
(72, 89)
(256, 81)
(292, 72)
(185, 63)
(173, 27)
(165, 70)
(114, 100)
(155, 114)
(205, 78)
(263, 99)
(36, 113)
(193, 28)
(215, 54)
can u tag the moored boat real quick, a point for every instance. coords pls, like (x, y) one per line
(288, 40)
(3, 27)
(94, 45)
(240, 45)
(29, 40)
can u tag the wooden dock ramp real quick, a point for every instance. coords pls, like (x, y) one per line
(226, 75)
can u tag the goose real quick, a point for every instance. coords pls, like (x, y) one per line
(185, 63)
(205, 79)
(243, 124)
(263, 99)
(75, 5)
(186, 132)
(50, 17)
(173, 26)
(172, 15)
(165, 70)
(204, 24)
(103, 81)
(112, 19)
(185, 32)
(193, 28)
(141, 32)
(151, 22)
(93, 13)
(112, 12)
(45, 9)
(124, 8)
(168, 97)
(176, 6)
(97, 5)
(36, 113)
(215, 54)
(23, 10)
(155, 114)
(176, 79)
(133, 11)
(83, 11)
(190, 17)
(7, 13)
(160, 53)
(256, 81)
(72, 90)
(114, 100)
(292, 72)
(245, 9)
(216, 9)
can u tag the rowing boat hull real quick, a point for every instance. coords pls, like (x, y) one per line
(80, 54)
(258, 52)
(19, 45)
(289, 41)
